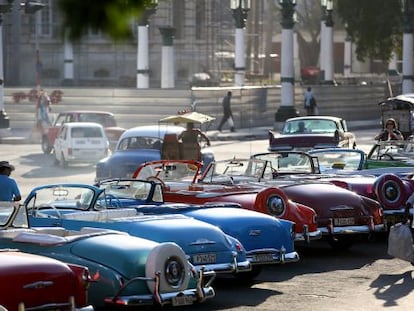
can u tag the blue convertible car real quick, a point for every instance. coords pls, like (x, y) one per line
(73, 206)
(126, 271)
(125, 204)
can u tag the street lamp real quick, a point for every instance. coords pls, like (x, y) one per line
(287, 79)
(240, 9)
(407, 53)
(5, 7)
(143, 50)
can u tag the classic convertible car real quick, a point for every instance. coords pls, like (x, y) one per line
(347, 161)
(126, 271)
(142, 144)
(343, 167)
(180, 184)
(32, 282)
(304, 133)
(267, 240)
(73, 206)
(342, 215)
(137, 207)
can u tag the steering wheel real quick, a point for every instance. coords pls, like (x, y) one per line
(157, 180)
(113, 200)
(386, 156)
(45, 206)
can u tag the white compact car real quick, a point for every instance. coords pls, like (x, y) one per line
(81, 142)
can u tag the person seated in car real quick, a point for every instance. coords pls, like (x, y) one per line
(390, 132)
(301, 128)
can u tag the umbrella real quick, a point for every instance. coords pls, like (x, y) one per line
(189, 117)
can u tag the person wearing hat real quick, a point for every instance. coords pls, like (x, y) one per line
(9, 191)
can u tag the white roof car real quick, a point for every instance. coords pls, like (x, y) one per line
(83, 142)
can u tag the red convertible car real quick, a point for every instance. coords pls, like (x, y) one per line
(180, 184)
(33, 282)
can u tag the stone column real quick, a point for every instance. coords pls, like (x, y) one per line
(167, 61)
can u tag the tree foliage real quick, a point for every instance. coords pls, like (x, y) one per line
(112, 17)
(375, 26)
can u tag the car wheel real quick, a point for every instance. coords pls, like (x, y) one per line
(170, 260)
(390, 191)
(46, 148)
(63, 161)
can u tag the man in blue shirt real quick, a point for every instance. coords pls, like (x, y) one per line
(9, 191)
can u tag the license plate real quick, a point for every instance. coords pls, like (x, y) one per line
(262, 258)
(204, 258)
(182, 301)
(344, 221)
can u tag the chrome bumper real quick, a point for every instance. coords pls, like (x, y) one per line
(186, 297)
(271, 257)
(235, 267)
(308, 236)
(353, 229)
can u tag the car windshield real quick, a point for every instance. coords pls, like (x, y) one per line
(62, 196)
(79, 132)
(340, 159)
(309, 126)
(171, 171)
(288, 163)
(140, 142)
(236, 168)
(104, 120)
(132, 189)
(13, 215)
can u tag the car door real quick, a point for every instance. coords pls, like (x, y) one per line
(61, 141)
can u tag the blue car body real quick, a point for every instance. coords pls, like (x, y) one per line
(126, 271)
(267, 240)
(73, 206)
(126, 157)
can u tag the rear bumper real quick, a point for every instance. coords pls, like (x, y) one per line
(271, 257)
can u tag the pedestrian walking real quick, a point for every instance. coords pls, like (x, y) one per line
(42, 110)
(227, 113)
(310, 102)
(9, 191)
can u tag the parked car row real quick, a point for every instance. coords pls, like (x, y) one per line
(158, 230)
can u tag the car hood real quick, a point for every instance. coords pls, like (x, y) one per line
(131, 252)
(253, 229)
(325, 198)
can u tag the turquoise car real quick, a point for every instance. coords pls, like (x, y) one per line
(73, 206)
(126, 271)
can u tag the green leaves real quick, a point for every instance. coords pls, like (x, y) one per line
(112, 17)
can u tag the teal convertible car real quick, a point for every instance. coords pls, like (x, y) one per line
(126, 271)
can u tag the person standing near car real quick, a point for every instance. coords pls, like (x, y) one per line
(390, 132)
(309, 102)
(9, 191)
(227, 113)
(191, 149)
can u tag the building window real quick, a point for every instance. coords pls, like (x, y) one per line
(200, 19)
(178, 18)
(44, 20)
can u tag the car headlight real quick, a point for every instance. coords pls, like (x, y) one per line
(276, 205)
